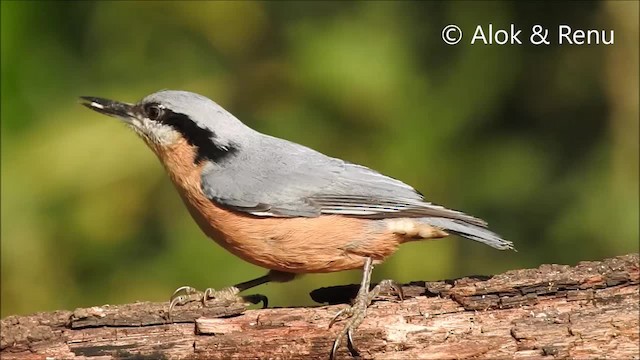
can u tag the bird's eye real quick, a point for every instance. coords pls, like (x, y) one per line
(153, 111)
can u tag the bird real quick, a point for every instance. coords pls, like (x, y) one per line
(281, 205)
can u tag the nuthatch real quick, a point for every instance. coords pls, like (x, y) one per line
(281, 205)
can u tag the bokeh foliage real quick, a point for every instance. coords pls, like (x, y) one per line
(541, 141)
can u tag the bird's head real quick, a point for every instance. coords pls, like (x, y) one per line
(168, 118)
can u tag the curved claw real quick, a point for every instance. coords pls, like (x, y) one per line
(175, 301)
(334, 348)
(352, 347)
(257, 298)
(388, 284)
(395, 286)
(207, 294)
(335, 317)
(350, 344)
(186, 289)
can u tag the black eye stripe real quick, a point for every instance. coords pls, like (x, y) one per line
(203, 139)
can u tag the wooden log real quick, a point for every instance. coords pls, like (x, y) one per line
(555, 311)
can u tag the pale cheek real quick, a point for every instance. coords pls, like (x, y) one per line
(156, 136)
(165, 136)
(159, 134)
(136, 123)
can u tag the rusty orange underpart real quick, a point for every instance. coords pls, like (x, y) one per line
(326, 243)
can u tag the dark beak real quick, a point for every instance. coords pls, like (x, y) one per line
(108, 107)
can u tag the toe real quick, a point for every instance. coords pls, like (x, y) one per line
(256, 299)
(350, 345)
(184, 289)
(336, 316)
(334, 348)
(386, 285)
(177, 301)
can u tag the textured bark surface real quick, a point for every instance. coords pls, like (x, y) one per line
(555, 311)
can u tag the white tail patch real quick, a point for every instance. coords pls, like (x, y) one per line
(413, 229)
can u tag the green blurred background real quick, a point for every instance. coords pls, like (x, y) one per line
(541, 141)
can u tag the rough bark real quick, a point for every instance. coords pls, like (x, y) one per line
(555, 311)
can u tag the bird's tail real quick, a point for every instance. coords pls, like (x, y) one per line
(470, 231)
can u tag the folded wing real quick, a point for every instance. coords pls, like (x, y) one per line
(296, 181)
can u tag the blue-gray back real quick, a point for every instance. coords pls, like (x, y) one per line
(268, 176)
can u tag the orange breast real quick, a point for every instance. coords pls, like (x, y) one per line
(299, 245)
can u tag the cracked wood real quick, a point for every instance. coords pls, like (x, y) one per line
(554, 311)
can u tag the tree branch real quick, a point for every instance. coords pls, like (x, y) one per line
(555, 311)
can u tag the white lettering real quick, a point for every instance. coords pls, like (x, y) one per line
(514, 35)
(564, 31)
(604, 38)
(566, 35)
(578, 37)
(595, 34)
(499, 37)
(504, 35)
(479, 35)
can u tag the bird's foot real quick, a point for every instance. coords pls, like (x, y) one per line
(186, 294)
(358, 311)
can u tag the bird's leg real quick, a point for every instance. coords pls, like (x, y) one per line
(357, 312)
(187, 294)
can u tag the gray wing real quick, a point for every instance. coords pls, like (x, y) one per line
(278, 178)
